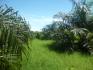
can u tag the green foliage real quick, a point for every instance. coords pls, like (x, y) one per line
(14, 32)
(81, 16)
(36, 35)
(71, 30)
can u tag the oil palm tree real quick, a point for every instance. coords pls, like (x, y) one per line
(81, 13)
(14, 33)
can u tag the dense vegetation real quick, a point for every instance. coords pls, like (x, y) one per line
(73, 31)
(70, 32)
(14, 33)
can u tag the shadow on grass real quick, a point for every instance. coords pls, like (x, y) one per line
(59, 48)
(67, 49)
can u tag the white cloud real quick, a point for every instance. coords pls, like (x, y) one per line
(38, 23)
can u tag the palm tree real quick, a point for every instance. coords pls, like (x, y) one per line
(14, 32)
(81, 13)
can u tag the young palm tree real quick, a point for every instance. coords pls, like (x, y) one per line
(14, 33)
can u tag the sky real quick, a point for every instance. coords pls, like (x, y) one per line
(40, 12)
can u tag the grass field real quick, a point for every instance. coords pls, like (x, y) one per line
(41, 58)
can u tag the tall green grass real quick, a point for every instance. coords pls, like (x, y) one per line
(41, 58)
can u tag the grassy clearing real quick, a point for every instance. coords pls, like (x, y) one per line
(41, 58)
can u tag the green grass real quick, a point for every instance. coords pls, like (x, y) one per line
(41, 58)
